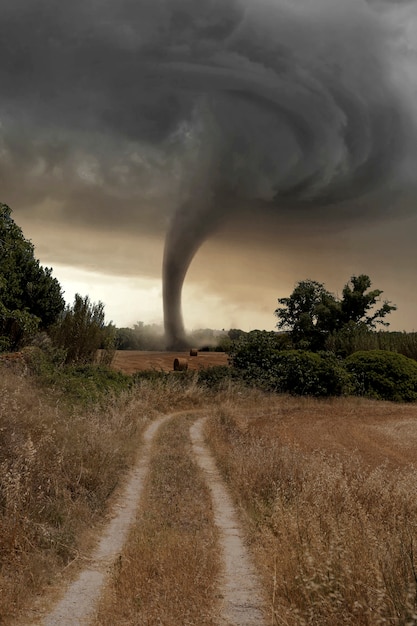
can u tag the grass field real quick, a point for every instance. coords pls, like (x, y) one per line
(326, 490)
(329, 493)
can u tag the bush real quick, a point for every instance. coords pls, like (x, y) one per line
(312, 374)
(90, 383)
(215, 377)
(384, 375)
(151, 375)
(298, 372)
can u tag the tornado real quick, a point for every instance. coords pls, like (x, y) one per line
(291, 120)
(185, 236)
(177, 116)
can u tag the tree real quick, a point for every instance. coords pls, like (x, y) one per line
(82, 331)
(311, 313)
(307, 314)
(30, 298)
(357, 306)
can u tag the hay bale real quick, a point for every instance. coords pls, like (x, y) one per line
(180, 365)
(193, 352)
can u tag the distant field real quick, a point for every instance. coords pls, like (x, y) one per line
(131, 361)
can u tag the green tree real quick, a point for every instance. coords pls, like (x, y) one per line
(358, 304)
(311, 313)
(308, 314)
(30, 298)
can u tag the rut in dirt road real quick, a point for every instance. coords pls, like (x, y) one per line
(242, 604)
(237, 587)
(78, 604)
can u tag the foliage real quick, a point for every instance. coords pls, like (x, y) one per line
(312, 314)
(356, 337)
(16, 328)
(89, 383)
(254, 348)
(127, 339)
(81, 383)
(357, 304)
(311, 374)
(260, 363)
(308, 313)
(384, 375)
(216, 377)
(151, 375)
(81, 331)
(29, 296)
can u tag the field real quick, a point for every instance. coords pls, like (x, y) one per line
(325, 492)
(131, 361)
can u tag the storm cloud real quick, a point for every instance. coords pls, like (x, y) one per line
(181, 117)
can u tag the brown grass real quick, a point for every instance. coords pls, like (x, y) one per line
(329, 490)
(58, 469)
(167, 573)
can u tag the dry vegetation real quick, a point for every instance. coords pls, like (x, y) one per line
(330, 494)
(327, 490)
(167, 573)
(58, 468)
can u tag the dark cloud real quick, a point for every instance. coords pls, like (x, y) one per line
(180, 116)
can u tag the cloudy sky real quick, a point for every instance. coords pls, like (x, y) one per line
(257, 142)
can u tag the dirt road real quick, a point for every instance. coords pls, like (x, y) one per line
(238, 589)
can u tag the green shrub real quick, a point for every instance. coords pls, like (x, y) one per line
(80, 383)
(260, 364)
(89, 383)
(384, 375)
(216, 377)
(151, 375)
(309, 373)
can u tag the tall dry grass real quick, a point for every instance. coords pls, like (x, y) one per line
(168, 570)
(58, 468)
(329, 491)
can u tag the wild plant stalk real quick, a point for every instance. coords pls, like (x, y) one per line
(58, 468)
(330, 492)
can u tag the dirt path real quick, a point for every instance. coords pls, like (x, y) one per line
(242, 604)
(78, 604)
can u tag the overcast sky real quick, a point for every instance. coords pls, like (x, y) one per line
(275, 140)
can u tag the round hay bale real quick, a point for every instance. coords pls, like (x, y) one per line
(193, 352)
(180, 365)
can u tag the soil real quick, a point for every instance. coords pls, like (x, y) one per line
(131, 361)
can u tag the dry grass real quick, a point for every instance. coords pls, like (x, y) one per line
(168, 570)
(329, 490)
(330, 494)
(57, 470)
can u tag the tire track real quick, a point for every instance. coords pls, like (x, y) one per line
(77, 606)
(242, 604)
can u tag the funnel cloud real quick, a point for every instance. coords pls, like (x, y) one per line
(183, 115)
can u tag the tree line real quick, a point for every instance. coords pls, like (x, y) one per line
(323, 345)
(32, 306)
